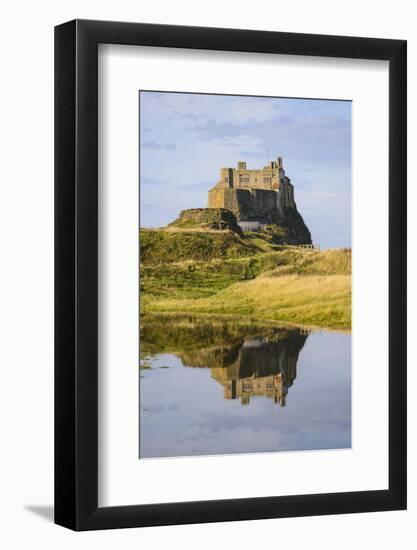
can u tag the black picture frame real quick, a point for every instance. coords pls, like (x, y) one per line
(76, 273)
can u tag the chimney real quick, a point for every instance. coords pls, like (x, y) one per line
(241, 165)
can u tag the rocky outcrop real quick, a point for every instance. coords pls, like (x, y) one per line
(219, 219)
(296, 230)
(266, 206)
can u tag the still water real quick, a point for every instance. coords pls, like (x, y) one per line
(214, 385)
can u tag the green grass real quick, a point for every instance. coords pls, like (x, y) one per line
(160, 246)
(219, 273)
(197, 279)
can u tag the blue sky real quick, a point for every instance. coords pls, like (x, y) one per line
(186, 139)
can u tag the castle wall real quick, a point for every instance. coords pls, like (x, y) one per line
(248, 204)
(241, 178)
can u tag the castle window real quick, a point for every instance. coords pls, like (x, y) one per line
(267, 180)
(226, 180)
(244, 179)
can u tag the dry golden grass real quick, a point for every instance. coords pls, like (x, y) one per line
(316, 300)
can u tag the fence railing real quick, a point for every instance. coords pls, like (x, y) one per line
(251, 226)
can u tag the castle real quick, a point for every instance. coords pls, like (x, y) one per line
(259, 198)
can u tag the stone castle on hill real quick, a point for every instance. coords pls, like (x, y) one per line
(259, 198)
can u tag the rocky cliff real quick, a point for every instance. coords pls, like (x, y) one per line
(285, 226)
(296, 230)
(266, 206)
(219, 219)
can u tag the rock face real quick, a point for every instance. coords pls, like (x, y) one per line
(247, 204)
(297, 231)
(263, 206)
(220, 219)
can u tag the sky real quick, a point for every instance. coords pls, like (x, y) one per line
(186, 138)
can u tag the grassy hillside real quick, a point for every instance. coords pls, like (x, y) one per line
(221, 273)
(173, 245)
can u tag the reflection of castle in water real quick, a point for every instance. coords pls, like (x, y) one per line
(263, 367)
(269, 386)
(255, 366)
(247, 358)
